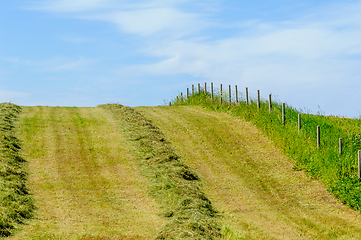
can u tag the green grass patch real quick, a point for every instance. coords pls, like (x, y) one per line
(174, 185)
(337, 172)
(16, 203)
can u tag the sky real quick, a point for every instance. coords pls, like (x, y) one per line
(145, 52)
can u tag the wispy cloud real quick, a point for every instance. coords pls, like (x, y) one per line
(54, 64)
(320, 49)
(151, 21)
(70, 5)
(67, 65)
(145, 18)
(303, 45)
(76, 39)
(74, 6)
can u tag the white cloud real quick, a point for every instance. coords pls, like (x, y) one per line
(73, 6)
(151, 21)
(76, 39)
(80, 6)
(54, 64)
(60, 64)
(313, 60)
(303, 45)
(70, 5)
(320, 50)
(144, 18)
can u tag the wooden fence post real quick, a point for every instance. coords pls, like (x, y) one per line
(170, 104)
(199, 88)
(212, 90)
(359, 164)
(205, 88)
(247, 96)
(236, 93)
(283, 114)
(299, 123)
(181, 98)
(220, 98)
(258, 100)
(229, 95)
(270, 102)
(340, 146)
(192, 89)
(318, 136)
(187, 93)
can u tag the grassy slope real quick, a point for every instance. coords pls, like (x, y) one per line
(84, 179)
(337, 172)
(174, 185)
(250, 181)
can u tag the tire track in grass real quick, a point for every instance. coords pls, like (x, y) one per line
(85, 180)
(250, 181)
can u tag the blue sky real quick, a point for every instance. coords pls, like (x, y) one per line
(90, 52)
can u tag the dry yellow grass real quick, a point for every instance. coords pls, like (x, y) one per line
(85, 181)
(250, 181)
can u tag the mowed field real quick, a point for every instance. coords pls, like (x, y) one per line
(87, 183)
(251, 182)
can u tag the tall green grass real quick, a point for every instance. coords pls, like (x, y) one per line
(337, 172)
(16, 204)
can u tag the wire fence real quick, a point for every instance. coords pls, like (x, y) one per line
(340, 143)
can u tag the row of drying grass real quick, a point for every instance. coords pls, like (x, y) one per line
(338, 172)
(16, 204)
(174, 185)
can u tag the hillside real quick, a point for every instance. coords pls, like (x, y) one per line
(85, 181)
(98, 173)
(250, 181)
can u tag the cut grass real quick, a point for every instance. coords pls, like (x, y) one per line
(174, 184)
(337, 172)
(85, 180)
(16, 202)
(250, 181)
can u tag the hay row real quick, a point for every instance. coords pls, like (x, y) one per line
(174, 185)
(16, 204)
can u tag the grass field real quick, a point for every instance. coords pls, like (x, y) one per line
(174, 185)
(337, 171)
(250, 181)
(109, 172)
(84, 179)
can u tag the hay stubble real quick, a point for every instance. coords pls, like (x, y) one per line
(250, 181)
(84, 179)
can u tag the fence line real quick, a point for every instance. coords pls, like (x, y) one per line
(278, 108)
